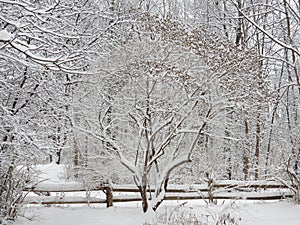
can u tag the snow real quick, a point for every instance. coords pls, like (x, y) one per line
(51, 172)
(276, 213)
(5, 35)
(61, 186)
(63, 199)
(271, 214)
(86, 215)
(53, 177)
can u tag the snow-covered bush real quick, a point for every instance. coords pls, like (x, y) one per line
(12, 182)
(183, 215)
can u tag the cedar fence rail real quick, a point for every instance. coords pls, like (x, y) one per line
(229, 189)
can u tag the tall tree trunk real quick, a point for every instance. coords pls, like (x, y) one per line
(143, 192)
(238, 37)
(257, 146)
(246, 151)
(76, 158)
(228, 155)
(293, 70)
(274, 111)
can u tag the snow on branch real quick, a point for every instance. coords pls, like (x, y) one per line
(44, 36)
(29, 6)
(5, 36)
(277, 41)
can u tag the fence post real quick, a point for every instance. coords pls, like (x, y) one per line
(109, 196)
(210, 184)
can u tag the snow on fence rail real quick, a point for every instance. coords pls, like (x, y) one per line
(251, 190)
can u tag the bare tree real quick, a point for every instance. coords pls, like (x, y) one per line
(171, 85)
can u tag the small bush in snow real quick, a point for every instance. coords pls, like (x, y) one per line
(189, 216)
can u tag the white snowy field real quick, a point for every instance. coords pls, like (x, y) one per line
(275, 213)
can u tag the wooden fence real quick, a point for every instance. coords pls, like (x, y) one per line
(53, 193)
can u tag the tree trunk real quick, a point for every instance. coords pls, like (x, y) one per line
(246, 152)
(143, 192)
(76, 158)
(257, 147)
(278, 97)
(298, 194)
(238, 37)
(228, 155)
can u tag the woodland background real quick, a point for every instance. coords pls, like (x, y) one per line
(149, 92)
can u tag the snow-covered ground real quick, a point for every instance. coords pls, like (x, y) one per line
(244, 212)
(276, 213)
(51, 172)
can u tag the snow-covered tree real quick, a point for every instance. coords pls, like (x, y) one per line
(41, 47)
(168, 87)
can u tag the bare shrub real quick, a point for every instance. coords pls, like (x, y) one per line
(188, 215)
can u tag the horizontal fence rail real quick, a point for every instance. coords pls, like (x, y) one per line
(248, 190)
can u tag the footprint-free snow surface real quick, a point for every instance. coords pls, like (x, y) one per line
(275, 213)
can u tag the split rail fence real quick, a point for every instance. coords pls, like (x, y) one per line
(69, 193)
